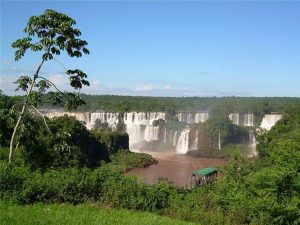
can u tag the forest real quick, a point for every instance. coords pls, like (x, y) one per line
(114, 103)
(75, 169)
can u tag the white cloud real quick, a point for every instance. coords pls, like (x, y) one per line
(166, 87)
(143, 87)
(60, 80)
(7, 84)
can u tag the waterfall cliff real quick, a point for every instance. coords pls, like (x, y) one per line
(269, 120)
(246, 119)
(252, 145)
(191, 118)
(140, 127)
(182, 146)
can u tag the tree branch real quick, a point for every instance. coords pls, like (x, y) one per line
(45, 122)
(54, 86)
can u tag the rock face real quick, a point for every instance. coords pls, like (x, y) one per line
(140, 127)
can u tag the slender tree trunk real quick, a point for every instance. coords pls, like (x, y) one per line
(11, 147)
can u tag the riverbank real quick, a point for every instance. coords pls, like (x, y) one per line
(173, 167)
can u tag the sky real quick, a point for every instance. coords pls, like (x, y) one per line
(168, 48)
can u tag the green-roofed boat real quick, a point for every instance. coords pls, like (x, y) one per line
(203, 176)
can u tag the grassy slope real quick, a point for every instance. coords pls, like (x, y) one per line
(81, 214)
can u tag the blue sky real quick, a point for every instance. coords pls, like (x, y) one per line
(165, 48)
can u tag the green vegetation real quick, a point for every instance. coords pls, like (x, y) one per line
(265, 191)
(124, 161)
(256, 105)
(86, 214)
(113, 140)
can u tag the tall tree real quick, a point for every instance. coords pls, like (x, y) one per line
(49, 33)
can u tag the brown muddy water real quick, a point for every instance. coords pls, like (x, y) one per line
(176, 168)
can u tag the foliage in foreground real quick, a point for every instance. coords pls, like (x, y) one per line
(78, 215)
(265, 191)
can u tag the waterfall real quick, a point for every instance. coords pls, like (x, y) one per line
(219, 141)
(243, 119)
(195, 144)
(235, 118)
(201, 117)
(188, 118)
(134, 122)
(151, 133)
(270, 120)
(175, 138)
(165, 135)
(182, 146)
(81, 116)
(105, 117)
(248, 120)
(252, 145)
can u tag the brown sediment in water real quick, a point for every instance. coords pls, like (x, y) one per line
(176, 168)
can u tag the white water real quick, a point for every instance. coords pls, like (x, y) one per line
(191, 118)
(81, 116)
(165, 135)
(242, 119)
(188, 118)
(182, 146)
(201, 117)
(151, 133)
(195, 144)
(248, 120)
(175, 139)
(139, 126)
(219, 141)
(235, 118)
(252, 145)
(269, 120)
(104, 117)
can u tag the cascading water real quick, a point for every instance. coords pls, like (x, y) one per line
(188, 118)
(139, 126)
(175, 138)
(252, 145)
(165, 135)
(182, 146)
(81, 116)
(219, 141)
(151, 133)
(235, 118)
(201, 117)
(105, 117)
(248, 120)
(242, 119)
(270, 120)
(195, 144)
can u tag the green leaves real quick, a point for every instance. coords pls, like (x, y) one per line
(74, 101)
(23, 83)
(77, 78)
(52, 33)
(42, 86)
(55, 32)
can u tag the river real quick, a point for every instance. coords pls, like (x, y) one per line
(176, 168)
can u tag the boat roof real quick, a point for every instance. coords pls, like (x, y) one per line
(205, 171)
